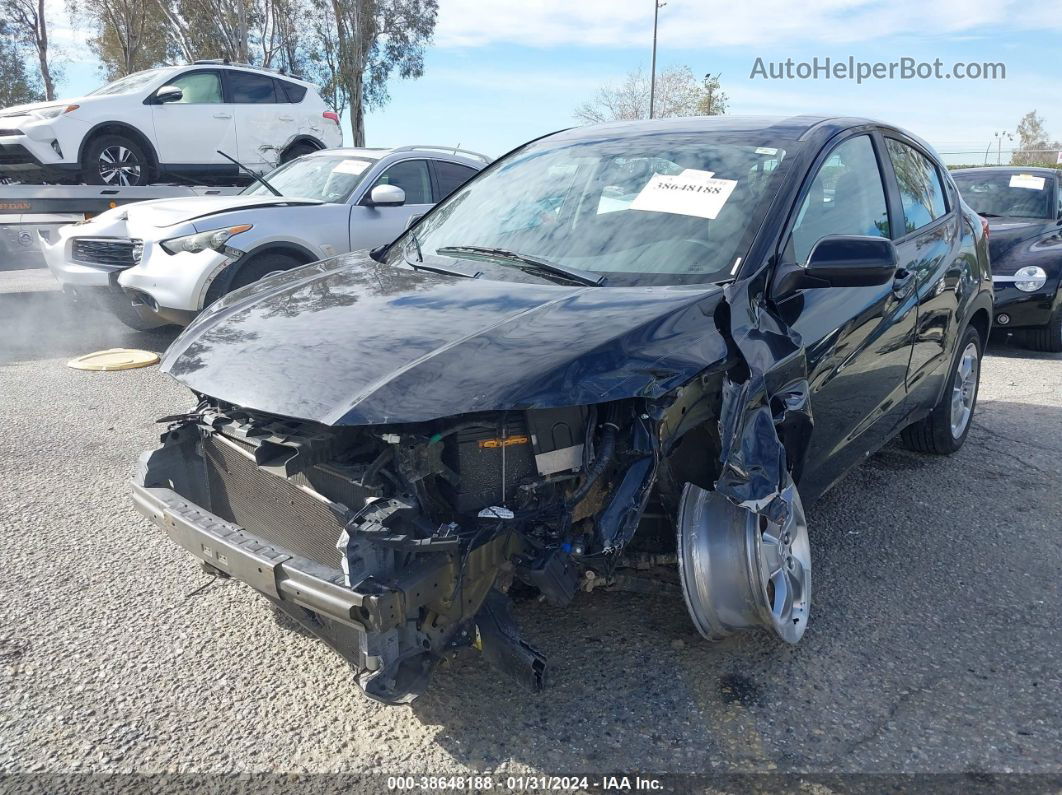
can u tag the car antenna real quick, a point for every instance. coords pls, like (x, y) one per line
(255, 176)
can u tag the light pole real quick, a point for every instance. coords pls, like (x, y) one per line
(657, 5)
(999, 145)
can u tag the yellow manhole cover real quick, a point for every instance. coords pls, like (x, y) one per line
(114, 359)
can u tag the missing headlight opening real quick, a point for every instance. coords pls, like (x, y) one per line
(400, 544)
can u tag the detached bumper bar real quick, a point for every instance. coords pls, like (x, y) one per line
(267, 568)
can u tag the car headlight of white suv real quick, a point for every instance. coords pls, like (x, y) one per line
(215, 239)
(53, 111)
(1030, 278)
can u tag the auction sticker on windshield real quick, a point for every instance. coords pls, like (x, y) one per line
(1027, 181)
(691, 192)
(351, 167)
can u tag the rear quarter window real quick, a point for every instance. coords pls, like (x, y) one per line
(292, 92)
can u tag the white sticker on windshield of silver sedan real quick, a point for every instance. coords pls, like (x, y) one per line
(691, 192)
(350, 167)
(1027, 181)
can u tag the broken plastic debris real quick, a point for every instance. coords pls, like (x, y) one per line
(496, 512)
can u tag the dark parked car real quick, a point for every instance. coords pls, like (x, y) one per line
(624, 346)
(1024, 211)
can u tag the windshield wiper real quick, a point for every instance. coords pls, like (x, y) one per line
(257, 177)
(416, 242)
(990, 215)
(419, 265)
(535, 265)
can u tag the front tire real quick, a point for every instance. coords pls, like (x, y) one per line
(257, 267)
(946, 428)
(116, 161)
(1047, 339)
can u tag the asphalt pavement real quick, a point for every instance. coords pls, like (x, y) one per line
(933, 644)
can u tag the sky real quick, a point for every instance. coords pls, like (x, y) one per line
(501, 72)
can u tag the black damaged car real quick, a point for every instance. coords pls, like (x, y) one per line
(624, 351)
(1024, 211)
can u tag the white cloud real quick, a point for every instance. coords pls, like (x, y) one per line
(697, 23)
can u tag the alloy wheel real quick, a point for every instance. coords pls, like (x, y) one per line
(741, 570)
(964, 390)
(119, 166)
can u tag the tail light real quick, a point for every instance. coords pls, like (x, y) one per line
(984, 226)
(331, 116)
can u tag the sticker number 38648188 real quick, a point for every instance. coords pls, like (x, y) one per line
(691, 192)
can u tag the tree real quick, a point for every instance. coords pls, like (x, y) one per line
(375, 38)
(129, 35)
(322, 60)
(1034, 144)
(18, 86)
(207, 28)
(713, 100)
(677, 94)
(26, 19)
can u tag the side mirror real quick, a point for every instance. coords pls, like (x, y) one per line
(387, 196)
(168, 94)
(843, 261)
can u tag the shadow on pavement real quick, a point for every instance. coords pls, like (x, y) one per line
(1007, 346)
(905, 644)
(47, 325)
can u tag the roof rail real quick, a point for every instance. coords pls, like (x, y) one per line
(454, 150)
(227, 62)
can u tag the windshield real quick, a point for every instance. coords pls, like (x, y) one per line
(129, 83)
(328, 178)
(660, 208)
(1007, 193)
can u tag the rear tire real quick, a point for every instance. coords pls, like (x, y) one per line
(1046, 338)
(297, 150)
(115, 161)
(946, 428)
(255, 268)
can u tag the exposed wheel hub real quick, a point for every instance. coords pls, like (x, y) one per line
(741, 570)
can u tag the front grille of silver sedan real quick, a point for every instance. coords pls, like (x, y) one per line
(113, 252)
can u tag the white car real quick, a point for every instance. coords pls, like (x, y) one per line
(169, 121)
(159, 262)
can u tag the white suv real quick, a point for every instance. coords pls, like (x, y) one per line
(169, 122)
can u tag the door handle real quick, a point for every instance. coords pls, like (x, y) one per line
(222, 115)
(902, 282)
(286, 118)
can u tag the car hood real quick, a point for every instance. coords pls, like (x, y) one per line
(1006, 236)
(350, 341)
(168, 212)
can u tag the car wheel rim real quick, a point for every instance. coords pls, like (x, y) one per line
(119, 166)
(964, 390)
(740, 570)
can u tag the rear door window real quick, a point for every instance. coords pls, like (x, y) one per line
(248, 88)
(920, 189)
(450, 177)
